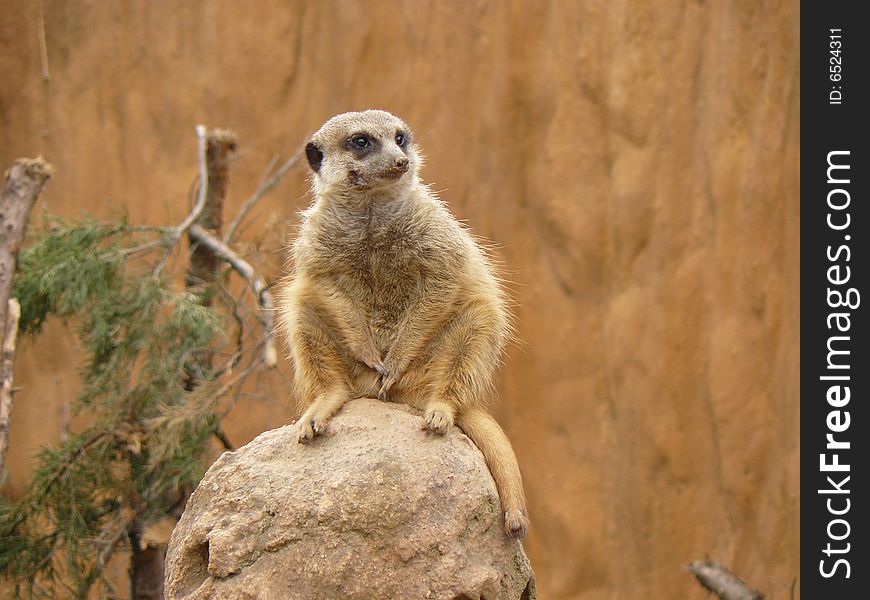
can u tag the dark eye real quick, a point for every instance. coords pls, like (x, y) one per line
(361, 141)
(400, 140)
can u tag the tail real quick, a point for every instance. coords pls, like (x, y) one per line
(491, 440)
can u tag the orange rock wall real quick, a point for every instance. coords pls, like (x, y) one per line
(635, 162)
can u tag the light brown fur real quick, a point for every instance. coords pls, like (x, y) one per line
(390, 296)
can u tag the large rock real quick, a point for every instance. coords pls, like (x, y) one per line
(376, 508)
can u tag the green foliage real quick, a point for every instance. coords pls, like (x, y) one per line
(66, 267)
(142, 344)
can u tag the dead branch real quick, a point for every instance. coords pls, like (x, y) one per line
(224, 440)
(179, 230)
(721, 581)
(203, 183)
(255, 281)
(22, 184)
(233, 308)
(43, 47)
(13, 313)
(261, 191)
(203, 266)
(220, 146)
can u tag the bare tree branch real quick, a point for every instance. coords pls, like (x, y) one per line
(22, 185)
(255, 281)
(264, 187)
(203, 265)
(43, 47)
(721, 581)
(13, 313)
(197, 208)
(224, 440)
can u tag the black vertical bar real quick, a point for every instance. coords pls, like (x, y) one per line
(835, 368)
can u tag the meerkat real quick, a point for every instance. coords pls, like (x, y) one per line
(389, 296)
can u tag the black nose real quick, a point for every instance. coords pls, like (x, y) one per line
(402, 163)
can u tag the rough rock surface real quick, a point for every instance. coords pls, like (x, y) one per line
(376, 508)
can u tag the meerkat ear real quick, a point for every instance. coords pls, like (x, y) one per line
(315, 156)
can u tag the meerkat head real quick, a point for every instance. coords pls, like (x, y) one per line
(361, 152)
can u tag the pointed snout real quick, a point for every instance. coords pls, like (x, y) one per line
(396, 168)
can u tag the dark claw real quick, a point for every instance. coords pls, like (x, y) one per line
(386, 384)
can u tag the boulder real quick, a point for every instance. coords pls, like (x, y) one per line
(375, 508)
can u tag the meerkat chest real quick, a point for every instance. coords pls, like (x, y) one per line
(381, 262)
(394, 259)
(380, 269)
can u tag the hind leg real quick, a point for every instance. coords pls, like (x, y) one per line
(463, 357)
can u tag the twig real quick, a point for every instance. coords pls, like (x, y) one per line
(185, 414)
(721, 581)
(183, 360)
(103, 558)
(144, 246)
(261, 191)
(198, 207)
(220, 435)
(43, 48)
(255, 281)
(272, 162)
(239, 377)
(40, 494)
(65, 414)
(250, 370)
(233, 306)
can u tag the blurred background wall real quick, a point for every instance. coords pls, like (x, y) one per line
(635, 162)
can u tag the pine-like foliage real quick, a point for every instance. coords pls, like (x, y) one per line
(140, 336)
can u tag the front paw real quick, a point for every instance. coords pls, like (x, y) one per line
(372, 359)
(387, 381)
(438, 419)
(310, 426)
(516, 523)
